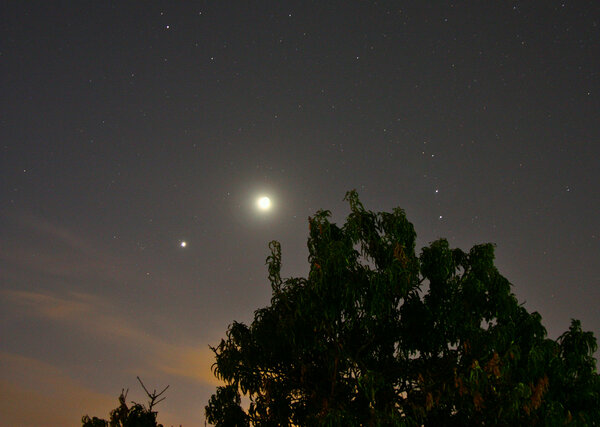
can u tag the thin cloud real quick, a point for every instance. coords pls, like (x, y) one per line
(48, 305)
(192, 363)
(59, 251)
(59, 234)
(97, 318)
(35, 393)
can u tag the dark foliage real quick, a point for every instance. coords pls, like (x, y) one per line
(378, 335)
(224, 408)
(137, 415)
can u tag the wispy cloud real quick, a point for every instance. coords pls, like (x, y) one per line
(56, 250)
(35, 393)
(59, 234)
(48, 305)
(99, 319)
(98, 338)
(192, 363)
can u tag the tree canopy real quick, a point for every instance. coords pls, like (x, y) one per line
(136, 415)
(380, 335)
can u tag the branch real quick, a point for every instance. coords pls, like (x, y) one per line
(153, 396)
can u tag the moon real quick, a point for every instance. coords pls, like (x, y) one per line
(264, 203)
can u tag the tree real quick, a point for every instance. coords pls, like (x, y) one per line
(376, 335)
(137, 415)
(224, 408)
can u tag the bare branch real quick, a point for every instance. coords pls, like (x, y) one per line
(143, 386)
(153, 396)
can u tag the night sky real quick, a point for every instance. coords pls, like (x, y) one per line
(127, 128)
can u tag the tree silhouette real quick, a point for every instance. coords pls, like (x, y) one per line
(137, 415)
(378, 335)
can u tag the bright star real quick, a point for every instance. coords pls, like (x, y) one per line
(183, 244)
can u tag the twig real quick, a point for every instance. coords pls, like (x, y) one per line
(153, 396)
